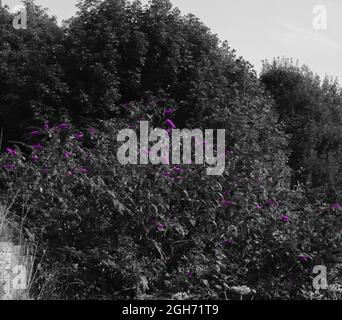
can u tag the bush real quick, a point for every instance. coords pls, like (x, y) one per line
(105, 230)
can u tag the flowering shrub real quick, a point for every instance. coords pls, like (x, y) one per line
(104, 230)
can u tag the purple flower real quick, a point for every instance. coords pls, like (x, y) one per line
(168, 111)
(70, 173)
(160, 226)
(285, 218)
(226, 193)
(152, 220)
(91, 131)
(170, 124)
(258, 207)
(166, 174)
(177, 169)
(45, 171)
(66, 154)
(9, 166)
(227, 203)
(35, 158)
(37, 146)
(46, 126)
(125, 105)
(63, 126)
(189, 274)
(269, 202)
(12, 152)
(83, 170)
(303, 258)
(335, 205)
(226, 242)
(78, 136)
(35, 133)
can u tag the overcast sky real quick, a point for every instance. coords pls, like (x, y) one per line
(259, 29)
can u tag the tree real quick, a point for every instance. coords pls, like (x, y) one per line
(311, 113)
(31, 85)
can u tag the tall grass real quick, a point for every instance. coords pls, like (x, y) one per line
(11, 234)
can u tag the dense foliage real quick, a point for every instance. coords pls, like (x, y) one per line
(312, 115)
(104, 230)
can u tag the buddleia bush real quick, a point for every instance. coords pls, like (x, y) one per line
(105, 230)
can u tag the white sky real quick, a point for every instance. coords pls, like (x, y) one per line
(259, 29)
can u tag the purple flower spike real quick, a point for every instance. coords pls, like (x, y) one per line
(226, 242)
(66, 154)
(45, 171)
(91, 131)
(34, 158)
(177, 169)
(125, 105)
(269, 202)
(285, 218)
(12, 152)
(335, 205)
(37, 146)
(189, 274)
(70, 173)
(227, 203)
(258, 207)
(63, 126)
(168, 111)
(170, 124)
(160, 226)
(35, 133)
(304, 258)
(79, 136)
(83, 170)
(152, 220)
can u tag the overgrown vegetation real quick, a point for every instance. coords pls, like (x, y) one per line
(107, 231)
